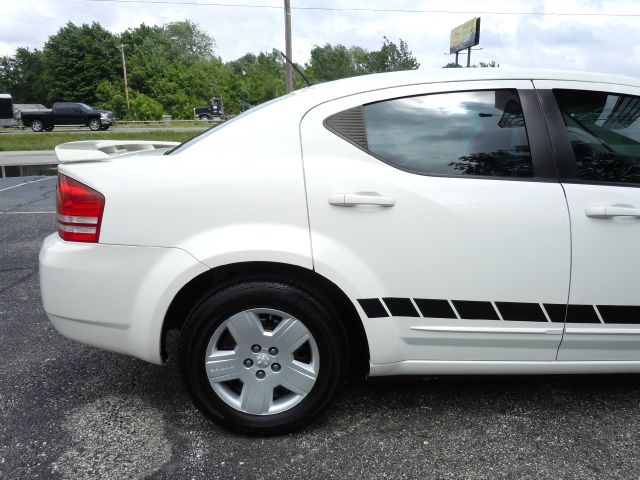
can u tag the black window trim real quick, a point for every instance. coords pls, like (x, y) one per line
(540, 145)
(566, 159)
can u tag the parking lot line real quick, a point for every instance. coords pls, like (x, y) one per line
(26, 183)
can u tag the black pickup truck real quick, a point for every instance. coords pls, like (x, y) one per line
(67, 113)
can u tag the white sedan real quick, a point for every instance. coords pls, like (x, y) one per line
(474, 221)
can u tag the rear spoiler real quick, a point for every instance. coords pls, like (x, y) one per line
(91, 150)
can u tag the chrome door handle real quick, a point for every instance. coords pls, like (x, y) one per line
(353, 199)
(609, 212)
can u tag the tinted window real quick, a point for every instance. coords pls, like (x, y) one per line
(604, 131)
(461, 133)
(62, 108)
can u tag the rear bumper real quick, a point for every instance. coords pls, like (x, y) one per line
(113, 296)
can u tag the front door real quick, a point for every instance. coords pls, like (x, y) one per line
(436, 206)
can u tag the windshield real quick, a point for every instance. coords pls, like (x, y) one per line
(208, 132)
(85, 106)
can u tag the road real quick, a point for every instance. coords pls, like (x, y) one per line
(12, 131)
(70, 411)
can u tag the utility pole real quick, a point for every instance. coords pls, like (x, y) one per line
(124, 71)
(288, 75)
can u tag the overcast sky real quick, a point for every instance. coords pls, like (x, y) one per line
(589, 42)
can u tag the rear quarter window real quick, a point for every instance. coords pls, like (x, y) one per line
(472, 133)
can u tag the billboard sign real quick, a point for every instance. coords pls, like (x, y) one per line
(465, 36)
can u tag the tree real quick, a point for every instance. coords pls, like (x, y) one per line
(391, 58)
(22, 76)
(187, 43)
(173, 64)
(76, 59)
(333, 62)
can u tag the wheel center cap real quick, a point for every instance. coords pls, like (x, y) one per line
(262, 360)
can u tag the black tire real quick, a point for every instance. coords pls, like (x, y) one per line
(94, 124)
(105, 127)
(37, 126)
(204, 117)
(221, 305)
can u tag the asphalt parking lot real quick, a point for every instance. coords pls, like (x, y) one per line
(71, 411)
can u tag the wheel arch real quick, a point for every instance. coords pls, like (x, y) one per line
(219, 277)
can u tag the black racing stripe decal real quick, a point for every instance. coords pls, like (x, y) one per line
(401, 307)
(434, 308)
(521, 312)
(472, 310)
(556, 311)
(582, 314)
(373, 307)
(625, 314)
(509, 311)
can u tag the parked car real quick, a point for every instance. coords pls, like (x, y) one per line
(214, 110)
(479, 221)
(68, 114)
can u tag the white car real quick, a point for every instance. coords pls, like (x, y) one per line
(475, 221)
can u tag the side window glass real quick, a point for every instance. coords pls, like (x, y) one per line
(604, 130)
(479, 133)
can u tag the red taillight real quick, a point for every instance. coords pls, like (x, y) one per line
(79, 211)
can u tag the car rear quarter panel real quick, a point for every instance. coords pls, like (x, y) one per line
(237, 195)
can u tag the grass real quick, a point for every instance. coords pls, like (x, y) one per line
(170, 124)
(47, 141)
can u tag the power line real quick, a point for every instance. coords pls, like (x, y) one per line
(39, 20)
(374, 10)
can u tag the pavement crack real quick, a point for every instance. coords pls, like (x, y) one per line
(44, 196)
(19, 281)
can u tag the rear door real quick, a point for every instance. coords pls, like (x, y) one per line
(437, 209)
(62, 113)
(596, 133)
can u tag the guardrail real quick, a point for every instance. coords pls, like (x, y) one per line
(162, 122)
(19, 164)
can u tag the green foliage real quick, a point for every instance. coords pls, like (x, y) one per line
(110, 96)
(22, 76)
(39, 141)
(255, 79)
(145, 108)
(171, 69)
(391, 58)
(76, 59)
(334, 62)
(187, 43)
(491, 64)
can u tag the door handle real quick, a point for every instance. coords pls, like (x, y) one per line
(609, 212)
(353, 199)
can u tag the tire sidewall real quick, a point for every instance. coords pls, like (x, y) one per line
(214, 310)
